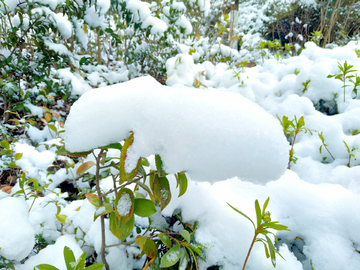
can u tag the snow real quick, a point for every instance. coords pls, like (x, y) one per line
(241, 133)
(224, 133)
(16, 228)
(124, 205)
(53, 254)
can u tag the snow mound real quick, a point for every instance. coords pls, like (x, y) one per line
(211, 134)
(16, 228)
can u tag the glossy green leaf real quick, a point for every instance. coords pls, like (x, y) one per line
(171, 257)
(69, 258)
(46, 267)
(165, 239)
(113, 146)
(182, 183)
(96, 266)
(185, 234)
(120, 229)
(144, 208)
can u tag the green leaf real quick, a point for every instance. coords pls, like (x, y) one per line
(96, 266)
(144, 207)
(69, 258)
(274, 225)
(53, 128)
(258, 213)
(182, 182)
(12, 165)
(183, 261)
(159, 166)
(46, 267)
(301, 122)
(5, 144)
(165, 239)
(6, 152)
(103, 210)
(18, 156)
(162, 191)
(93, 199)
(61, 218)
(64, 152)
(120, 229)
(265, 206)
(185, 234)
(124, 205)
(84, 167)
(171, 257)
(265, 247)
(272, 250)
(113, 146)
(241, 213)
(147, 245)
(146, 188)
(128, 142)
(80, 265)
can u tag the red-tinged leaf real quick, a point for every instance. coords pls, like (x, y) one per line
(103, 210)
(124, 205)
(128, 142)
(61, 124)
(120, 229)
(45, 108)
(84, 167)
(147, 245)
(130, 176)
(93, 199)
(48, 117)
(162, 191)
(159, 166)
(55, 114)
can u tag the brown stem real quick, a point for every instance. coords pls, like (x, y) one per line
(32, 203)
(102, 218)
(248, 255)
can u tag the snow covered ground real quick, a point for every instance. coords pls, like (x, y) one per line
(226, 133)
